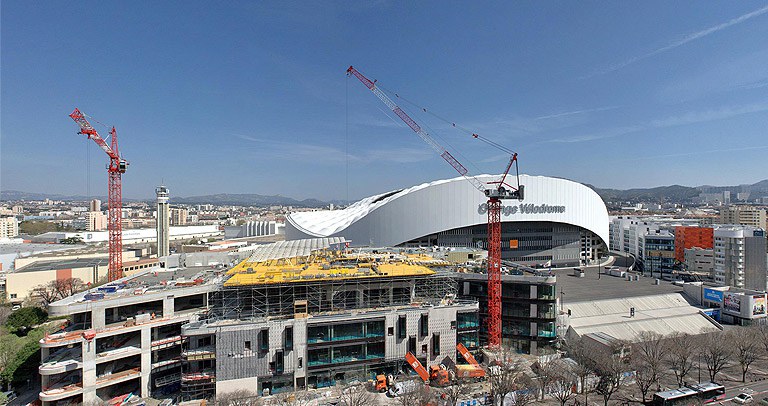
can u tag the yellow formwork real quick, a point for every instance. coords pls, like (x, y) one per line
(257, 273)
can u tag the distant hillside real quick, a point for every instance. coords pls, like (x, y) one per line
(14, 195)
(248, 200)
(674, 193)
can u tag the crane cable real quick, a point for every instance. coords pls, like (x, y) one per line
(451, 123)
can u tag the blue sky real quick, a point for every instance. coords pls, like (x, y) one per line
(251, 97)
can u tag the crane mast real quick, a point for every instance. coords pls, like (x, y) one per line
(495, 195)
(116, 168)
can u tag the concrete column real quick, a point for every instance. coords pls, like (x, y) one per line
(534, 309)
(146, 360)
(534, 291)
(89, 371)
(98, 318)
(168, 307)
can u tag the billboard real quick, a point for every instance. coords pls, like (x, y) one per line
(758, 307)
(732, 302)
(713, 295)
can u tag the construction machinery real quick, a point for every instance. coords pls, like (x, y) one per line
(496, 192)
(473, 369)
(384, 382)
(116, 168)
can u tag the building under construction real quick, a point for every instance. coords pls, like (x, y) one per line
(314, 321)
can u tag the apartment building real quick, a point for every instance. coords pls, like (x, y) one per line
(689, 237)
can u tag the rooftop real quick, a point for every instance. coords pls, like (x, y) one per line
(64, 264)
(330, 265)
(663, 314)
(591, 287)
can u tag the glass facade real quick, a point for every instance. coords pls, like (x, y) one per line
(345, 332)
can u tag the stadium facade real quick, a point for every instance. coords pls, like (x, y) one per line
(560, 222)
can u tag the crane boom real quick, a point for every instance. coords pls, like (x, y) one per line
(87, 129)
(495, 194)
(371, 85)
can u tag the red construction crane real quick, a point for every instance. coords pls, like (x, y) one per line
(495, 195)
(116, 168)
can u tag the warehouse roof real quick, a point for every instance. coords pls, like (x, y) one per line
(663, 314)
(64, 264)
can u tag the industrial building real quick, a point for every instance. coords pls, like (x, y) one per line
(132, 236)
(560, 222)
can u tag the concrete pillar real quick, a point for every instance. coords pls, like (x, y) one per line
(534, 310)
(98, 318)
(534, 291)
(146, 360)
(89, 371)
(168, 307)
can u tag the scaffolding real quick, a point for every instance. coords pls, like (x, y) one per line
(327, 296)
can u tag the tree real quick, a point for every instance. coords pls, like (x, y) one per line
(5, 311)
(716, 352)
(609, 367)
(645, 376)
(650, 351)
(524, 395)
(504, 375)
(420, 396)
(68, 286)
(563, 381)
(356, 395)
(298, 398)
(9, 346)
(26, 318)
(239, 397)
(746, 347)
(682, 348)
(580, 352)
(457, 391)
(546, 375)
(46, 294)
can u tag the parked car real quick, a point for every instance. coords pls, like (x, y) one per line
(743, 398)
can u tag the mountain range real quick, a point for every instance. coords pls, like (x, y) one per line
(673, 193)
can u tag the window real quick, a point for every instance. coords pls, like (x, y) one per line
(390, 331)
(435, 344)
(424, 325)
(264, 341)
(13, 296)
(412, 344)
(301, 362)
(247, 345)
(288, 339)
(279, 362)
(401, 323)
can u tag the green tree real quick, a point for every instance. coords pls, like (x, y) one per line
(26, 317)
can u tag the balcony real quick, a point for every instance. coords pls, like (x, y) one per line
(58, 393)
(117, 377)
(200, 354)
(166, 343)
(117, 353)
(204, 376)
(62, 361)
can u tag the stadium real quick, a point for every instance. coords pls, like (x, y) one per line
(560, 222)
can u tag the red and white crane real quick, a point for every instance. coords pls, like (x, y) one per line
(116, 168)
(496, 193)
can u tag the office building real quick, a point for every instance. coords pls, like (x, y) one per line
(528, 309)
(658, 255)
(740, 258)
(689, 237)
(700, 261)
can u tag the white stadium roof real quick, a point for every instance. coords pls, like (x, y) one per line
(399, 216)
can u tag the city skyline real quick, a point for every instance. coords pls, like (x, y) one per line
(613, 95)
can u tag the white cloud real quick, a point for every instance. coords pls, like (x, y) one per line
(684, 40)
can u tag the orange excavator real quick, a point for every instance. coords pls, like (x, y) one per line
(437, 375)
(473, 370)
